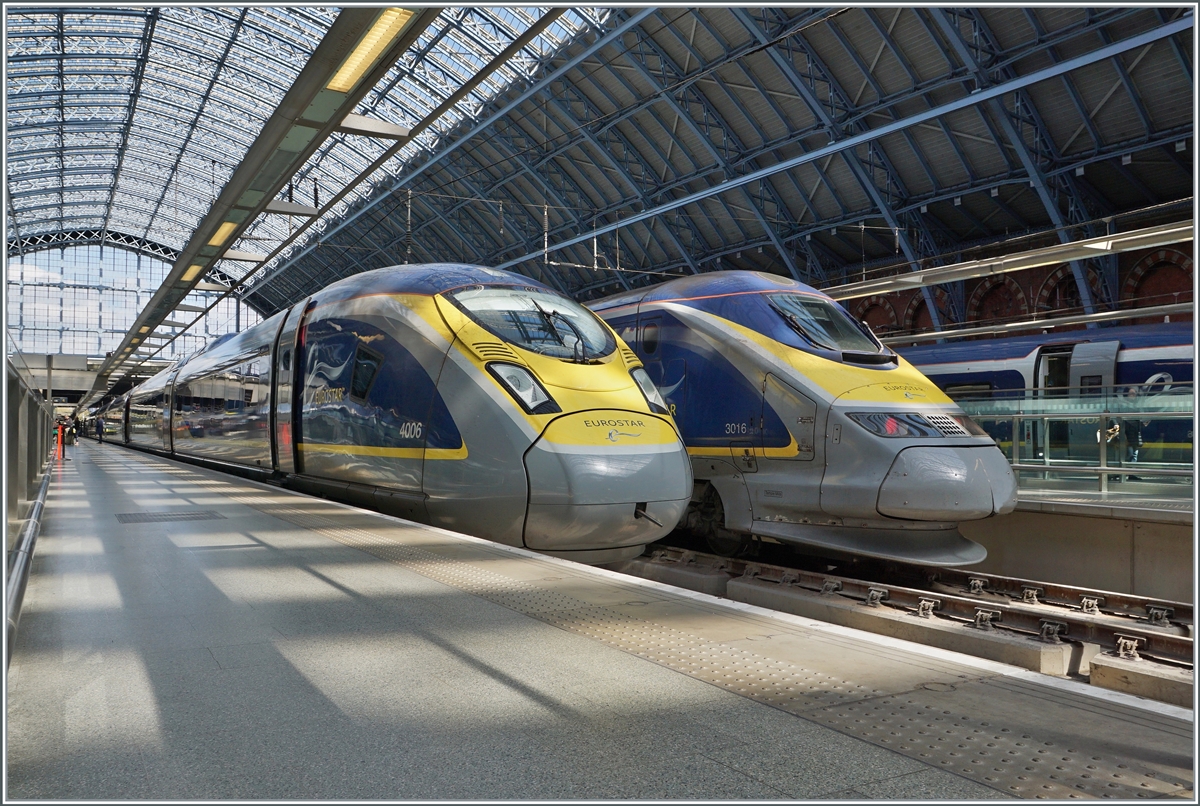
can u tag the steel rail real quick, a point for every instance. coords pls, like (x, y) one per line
(1156, 634)
(1126, 604)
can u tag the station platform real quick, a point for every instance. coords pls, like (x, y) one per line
(1149, 506)
(188, 634)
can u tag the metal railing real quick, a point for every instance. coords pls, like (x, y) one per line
(1128, 439)
(29, 426)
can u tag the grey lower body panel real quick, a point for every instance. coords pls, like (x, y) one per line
(924, 546)
(596, 526)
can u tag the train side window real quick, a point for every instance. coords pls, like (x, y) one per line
(968, 391)
(1090, 385)
(650, 338)
(366, 368)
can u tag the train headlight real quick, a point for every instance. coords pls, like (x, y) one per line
(649, 390)
(970, 426)
(521, 384)
(908, 424)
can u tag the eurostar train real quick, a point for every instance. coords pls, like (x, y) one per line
(803, 428)
(459, 396)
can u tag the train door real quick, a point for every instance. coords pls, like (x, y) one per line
(668, 373)
(168, 414)
(1051, 437)
(1093, 365)
(788, 434)
(649, 347)
(285, 420)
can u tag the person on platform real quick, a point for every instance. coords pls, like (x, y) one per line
(1132, 427)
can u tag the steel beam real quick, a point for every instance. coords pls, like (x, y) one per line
(312, 108)
(970, 100)
(867, 183)
(954, 37)
(440, 154)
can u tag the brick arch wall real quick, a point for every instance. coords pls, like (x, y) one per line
(941, 299)
(974, 312)
(864, 306)
(1055, 277)
(1157, 258)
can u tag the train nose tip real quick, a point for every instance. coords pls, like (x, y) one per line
(948, 484)
(605, 480)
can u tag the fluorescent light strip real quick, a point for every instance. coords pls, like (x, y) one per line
(363, 58)
(191, 273)
(223, 233)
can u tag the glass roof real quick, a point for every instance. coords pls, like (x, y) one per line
(131, 120)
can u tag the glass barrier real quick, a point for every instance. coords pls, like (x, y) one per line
(1126, 439)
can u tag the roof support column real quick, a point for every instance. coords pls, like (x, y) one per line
(806, 92)
(1036, 177)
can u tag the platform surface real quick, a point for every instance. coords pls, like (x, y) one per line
(1149, 506)
(188, 635)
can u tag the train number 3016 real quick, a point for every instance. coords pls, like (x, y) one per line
(737, 428)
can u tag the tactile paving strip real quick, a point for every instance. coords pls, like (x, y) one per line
(774, 682)
(163, 517)
(1014, 763)
(1006, 759)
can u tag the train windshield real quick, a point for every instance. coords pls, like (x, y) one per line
(822, 323)
(537, 320)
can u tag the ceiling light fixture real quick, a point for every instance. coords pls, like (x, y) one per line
(369, 49)
(223, 233)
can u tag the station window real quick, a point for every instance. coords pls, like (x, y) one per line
(366, 368)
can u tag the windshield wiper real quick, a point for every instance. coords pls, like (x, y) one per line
(579, 349)
(579, 342)
(794, 324)
(548, 322)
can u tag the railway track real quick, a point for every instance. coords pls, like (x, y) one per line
(1130, 626)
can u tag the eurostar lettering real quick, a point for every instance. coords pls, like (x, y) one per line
(328, 395)
(614, 423)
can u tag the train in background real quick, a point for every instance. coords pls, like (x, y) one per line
(803, 428)
(460, 396)
(1144, 366)
(1151, 358)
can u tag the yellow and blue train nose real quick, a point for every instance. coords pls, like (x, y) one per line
(604, 483)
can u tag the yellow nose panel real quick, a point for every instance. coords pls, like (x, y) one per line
(610, 428)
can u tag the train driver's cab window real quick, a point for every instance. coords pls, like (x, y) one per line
(650, 338)
(1091, 385)
(366, 368)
